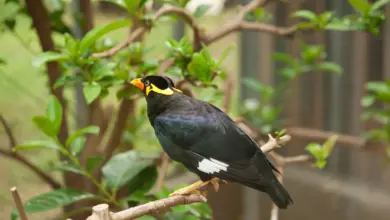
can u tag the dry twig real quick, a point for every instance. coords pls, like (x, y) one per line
(18, 203)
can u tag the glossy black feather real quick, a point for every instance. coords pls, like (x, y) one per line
(191, 131)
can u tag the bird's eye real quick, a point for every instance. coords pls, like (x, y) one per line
(147, 83)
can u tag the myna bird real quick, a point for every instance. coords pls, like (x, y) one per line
(207, 141)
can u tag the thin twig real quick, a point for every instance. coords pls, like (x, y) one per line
(18, 203)
(42, 175)
(8, 130)
(315, 134)
(13, 155)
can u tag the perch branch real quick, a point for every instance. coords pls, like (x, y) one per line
(18, 203)
(9, 153)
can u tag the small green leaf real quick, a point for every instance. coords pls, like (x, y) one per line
(98, 32)
(36, 145)
(48, 57)
(321, 164)
(123, 167)
(83, 131)
(367, 101)
(361, 6)
(54, 113)
(306, 14)
(77, 145)
(328, 146)
(55, 199)
(329, 67)
(379, 4)
(45, 125)
(91, 92)
(64, 166)
(199, 68)
(93, 162)
(316, 150)
(201, 10)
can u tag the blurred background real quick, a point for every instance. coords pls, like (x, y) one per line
(353, 185)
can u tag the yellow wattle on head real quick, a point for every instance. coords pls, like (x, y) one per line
(158, 84)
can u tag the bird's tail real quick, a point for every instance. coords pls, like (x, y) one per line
(274, 188)
(279, 195)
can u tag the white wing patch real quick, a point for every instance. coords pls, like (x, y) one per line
(212, 166)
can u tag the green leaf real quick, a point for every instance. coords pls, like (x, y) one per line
(69, 168)
(143, 182)
(55, 199)
(367, 101)
(361, 6)
(201, 10)
(306, 14)
(316, 150)
(98, 32)
(54, 113)
(91, 92)
(379, 4)
(83, 131)
(48, 57)
(45, 125)
(321, 163)
(36, 145)
(329, 67)
(199, 68)
(93, 162)
(123, 167)
(77, 145)
(328, 146)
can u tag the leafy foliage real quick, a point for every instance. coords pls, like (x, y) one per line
(377, 107)
(134, 170)
(52, 200)
(322, 152)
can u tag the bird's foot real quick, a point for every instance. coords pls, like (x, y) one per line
(215, 183)
(193, 188)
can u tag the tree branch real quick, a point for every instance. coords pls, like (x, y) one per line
(200, 37)
(9, 153)
(41, 22)
(8, 131)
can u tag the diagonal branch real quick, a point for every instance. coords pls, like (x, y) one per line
(15, 156)
(8, 131)
(200, 37)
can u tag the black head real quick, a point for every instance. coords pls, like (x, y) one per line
(155, 84)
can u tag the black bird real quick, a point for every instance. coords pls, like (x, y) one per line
(207, 141)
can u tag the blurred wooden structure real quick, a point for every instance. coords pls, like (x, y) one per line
(355, 184)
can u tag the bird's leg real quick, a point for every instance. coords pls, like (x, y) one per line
(192, 189)
(214, 182)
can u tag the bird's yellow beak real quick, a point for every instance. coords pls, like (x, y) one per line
(137, 82)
